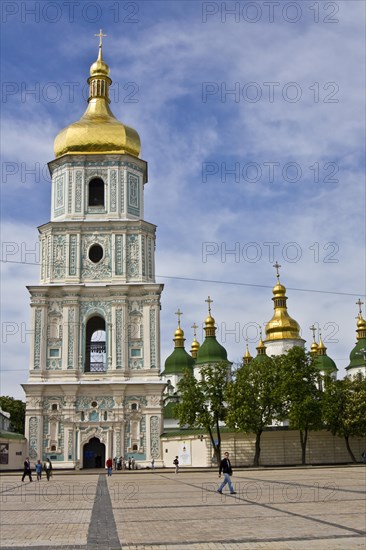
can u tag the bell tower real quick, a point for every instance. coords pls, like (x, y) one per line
(95, 354)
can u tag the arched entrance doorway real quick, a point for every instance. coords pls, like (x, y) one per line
(94, 454)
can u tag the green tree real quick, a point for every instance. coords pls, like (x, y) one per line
(344, 408)
(299, 387)
(202, 402)
(253, 399)
(16, 408)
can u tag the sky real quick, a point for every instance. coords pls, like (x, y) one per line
(252, 120)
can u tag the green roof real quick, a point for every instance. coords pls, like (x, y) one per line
(178, 361)
(356, 356)
(325, 363)
(11, 435)
(262, 358)
(211, 352)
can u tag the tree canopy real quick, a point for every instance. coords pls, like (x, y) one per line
(202, 402)
(344, 408)
(254, 400)
(16, 408)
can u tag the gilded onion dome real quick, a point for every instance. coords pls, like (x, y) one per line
(98, 131)
(314, 345)
(195, 346)
(281, 326)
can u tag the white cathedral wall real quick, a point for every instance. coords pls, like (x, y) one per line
(278, 347)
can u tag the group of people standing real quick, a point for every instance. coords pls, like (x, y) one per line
(121, 464)
(39, 467)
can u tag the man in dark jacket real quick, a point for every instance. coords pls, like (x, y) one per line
(226, 469)
(27, 469)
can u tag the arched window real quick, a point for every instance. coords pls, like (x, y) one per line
(134, 447)
(134, 406)
(96, 192)
(53, 447)
(54, 407)
(95, 346)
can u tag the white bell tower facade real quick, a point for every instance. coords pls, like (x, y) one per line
(94, 389)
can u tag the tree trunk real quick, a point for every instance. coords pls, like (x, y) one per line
(303, 441)
(346, 437)
(216, 448)
(257, 447)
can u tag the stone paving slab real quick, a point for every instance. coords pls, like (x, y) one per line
(280, 509)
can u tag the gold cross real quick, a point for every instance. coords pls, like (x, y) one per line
(313, 330)
(195, 327)
(209, 301)
(179, 313)
(100, 37)
(277, 266)
(359, 303)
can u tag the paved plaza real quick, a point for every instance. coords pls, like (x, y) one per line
(293, 508)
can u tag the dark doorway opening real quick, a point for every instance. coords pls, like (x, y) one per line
(94, 454)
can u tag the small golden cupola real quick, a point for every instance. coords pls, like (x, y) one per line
(247, 357)
(281, 326)
(261, 348)
(314, 345)
(195, 346)
(98, 131)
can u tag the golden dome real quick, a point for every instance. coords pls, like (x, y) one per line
(314, 347)
(281, 326)
(178, 333)
(98, 131)
(361, 323)
(195, 346)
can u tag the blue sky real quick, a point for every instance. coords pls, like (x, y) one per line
(253, 125)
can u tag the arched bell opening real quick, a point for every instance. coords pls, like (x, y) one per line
(95, 346)
(96, 192)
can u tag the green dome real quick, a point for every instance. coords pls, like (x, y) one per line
(178, 361)
(325, 364)
(357, 356)
(261, 358)
(211, 352)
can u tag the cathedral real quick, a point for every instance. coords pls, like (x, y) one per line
(95, 388)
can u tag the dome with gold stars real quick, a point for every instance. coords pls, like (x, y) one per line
(98, 131)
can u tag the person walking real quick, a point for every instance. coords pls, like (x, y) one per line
(109, 465)
(152, 463)
(27, 469)
(39, 470)
(48, 468)
(226, 469)
(364, 457)
(176, 464)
